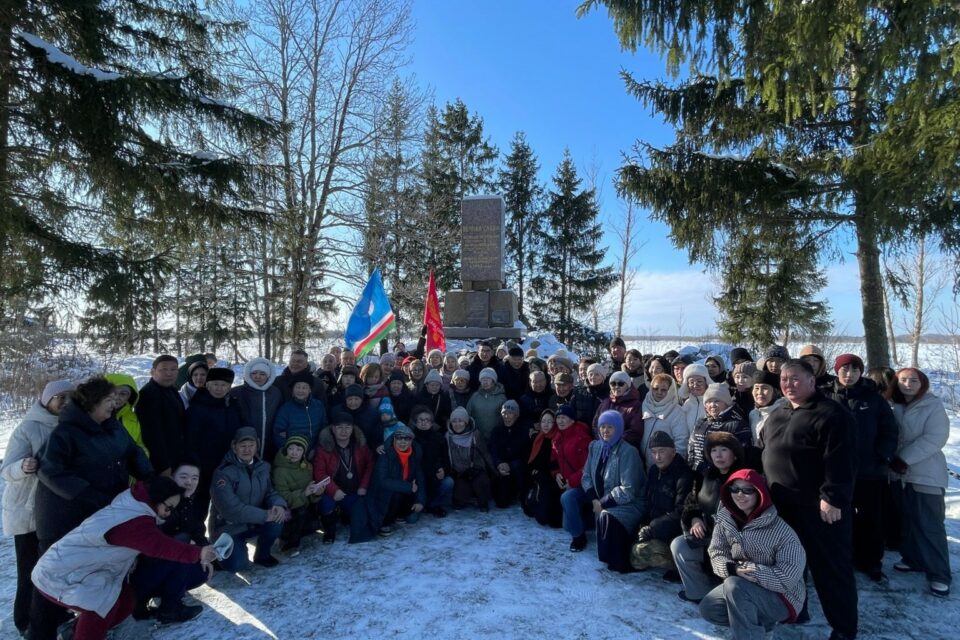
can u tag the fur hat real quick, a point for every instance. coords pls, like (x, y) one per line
(776, 351)
(341, 417)
(718, 391)
(762, 376)
(845, 359)
(55, 388)
(221, 374)
(487, 372)
(723, 439)
(433, 376)
(660, 438)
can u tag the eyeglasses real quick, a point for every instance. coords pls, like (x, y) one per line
(618, 384)
(747, 491)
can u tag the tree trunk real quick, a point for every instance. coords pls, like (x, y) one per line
(891, 334)
(918, 302)
(871, 289)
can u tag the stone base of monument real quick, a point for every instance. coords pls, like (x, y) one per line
(479, 333)
(494, 308)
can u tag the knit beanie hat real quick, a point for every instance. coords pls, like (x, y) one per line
(597, 368)
(55, 388)
(776, 351)
(718, 391)
(221, 374)
(746, 367)
(620, 376)
(845, 359)
(460, 413)
(159, 488)
(398, 374)
(463, 361)
(569, 411)
(402, 430)
(300, 440)
(434, 352)
(811, 350)
(739, 354)
(353, 390)
(511, 406)
(388, 357)
(433, 376)
(386, 409)
(461, 373)
(660, 438)
(487, 372)
(350, 370)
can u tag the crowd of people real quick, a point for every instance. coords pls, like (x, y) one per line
(735, 477)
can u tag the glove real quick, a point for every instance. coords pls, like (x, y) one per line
(423, 331)
(644, 534)
(898, 465)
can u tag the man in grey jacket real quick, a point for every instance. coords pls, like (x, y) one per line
(245, 505)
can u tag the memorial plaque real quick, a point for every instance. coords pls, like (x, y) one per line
(482, 239)
(503, 308)
(477, 309)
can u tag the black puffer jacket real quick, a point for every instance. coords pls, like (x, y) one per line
(516, 382)
(732, 421)
(83, 467)
(877, 429)
(667, 492)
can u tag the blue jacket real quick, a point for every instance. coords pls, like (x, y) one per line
(296, 418)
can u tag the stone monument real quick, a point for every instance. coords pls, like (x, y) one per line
(484, 307)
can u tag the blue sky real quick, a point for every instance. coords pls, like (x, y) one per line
(531, 65)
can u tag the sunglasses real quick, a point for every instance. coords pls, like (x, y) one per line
(399, 438)
(747, 491)
(618, 384)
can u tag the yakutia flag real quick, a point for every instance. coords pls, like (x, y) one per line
(432, 320)
(371, 319)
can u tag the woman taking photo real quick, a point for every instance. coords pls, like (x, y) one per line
(919, 478)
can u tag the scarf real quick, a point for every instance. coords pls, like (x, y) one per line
(460, 448)
(669, 404)
(539, 440)
(404, 459)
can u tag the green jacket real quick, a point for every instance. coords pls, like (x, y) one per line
(291, 479)
(125, 414)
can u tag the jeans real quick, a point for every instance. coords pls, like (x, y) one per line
(690, 559)
(573, 501)
(328, 504)
(266, 534)
(746, 607)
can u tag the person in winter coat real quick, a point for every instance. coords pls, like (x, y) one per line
(767, 399)
(301, 415)
(484, 405)
(812, 355)
(19, 473)
(245, 504)
(537, 400)
(326, 372)
(809, 458)
(212, 421)
(742, 387)
(669, 481)
(196, 378)
(435, 461)
(298, 368)
(570, 448)
(509, 448)
(400, 396)
(542, 500)
(187, 523)
(485, 359)
(721, 415)
(919, 478)
(87, 569)
(691, 390)
(398, 489)
(470, 461)
(758, 557)
(460, 390)
(661, 412)
(699, 513)
(633, 367)
(625, 400)
(566, 393)
(258, 399)
(348, 375)
(434, 397)
(677, 367)
(374, 384)
(595, 389)
(417, 374)
(343, 457)
(716, 369)
(362, 415)
(617, 349)
(774, 357)
(515, 374)
(127, 398)
(613, 481)
(162, 416)
(293, 479)
(876, 445)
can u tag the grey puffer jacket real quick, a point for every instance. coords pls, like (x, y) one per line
(20, 489)
(241, 495)
(924, 429)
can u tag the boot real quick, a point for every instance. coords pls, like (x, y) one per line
(177, 613)
(329, 524)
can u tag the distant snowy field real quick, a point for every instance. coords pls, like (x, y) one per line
(499, 574)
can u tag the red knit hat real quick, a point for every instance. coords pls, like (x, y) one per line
(845, 359)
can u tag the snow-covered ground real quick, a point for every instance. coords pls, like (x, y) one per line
(496, 574)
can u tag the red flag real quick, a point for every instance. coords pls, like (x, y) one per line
(432, 319)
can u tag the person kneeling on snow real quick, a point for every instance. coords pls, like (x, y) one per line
(758, 556)
(399, 488)
(343, 457)
(87, 569)
(293, 480)
(245, 504)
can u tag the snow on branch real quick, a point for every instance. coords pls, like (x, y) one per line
(56, 56)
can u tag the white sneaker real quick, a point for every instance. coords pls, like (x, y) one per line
(940, 589)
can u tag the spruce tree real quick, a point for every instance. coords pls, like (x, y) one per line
(523, 196)
(837, 119)
(111, 112)
(457, 161)
(570, 274)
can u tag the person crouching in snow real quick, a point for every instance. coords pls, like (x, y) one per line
(399, 489)
(293, 480)
(758, 556)
(342, 455)
(87, 569)
(470, 462)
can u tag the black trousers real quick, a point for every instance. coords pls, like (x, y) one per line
(830, 560)
(45, 615)
(27, 549)
(868, 523)
(613, 543)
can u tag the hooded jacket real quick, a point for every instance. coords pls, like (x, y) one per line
(258, 405)
(20, 488)
(761, 541)
(924, 430)
(241, 495)
(468, 451)
(291, 478)
(484, 408)
(127, 413)
(664, 416)
(388, 480)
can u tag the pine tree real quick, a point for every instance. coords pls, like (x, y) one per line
(570, 273)
(457, 161)
(523, 196)
(116, 107)
(769, 282)
(837, 119)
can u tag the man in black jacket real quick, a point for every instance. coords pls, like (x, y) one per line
(810, 462)
(162, 416)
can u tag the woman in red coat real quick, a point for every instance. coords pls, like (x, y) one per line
(567, 458)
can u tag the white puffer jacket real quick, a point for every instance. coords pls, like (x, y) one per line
(924, 429)
(21, 488)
